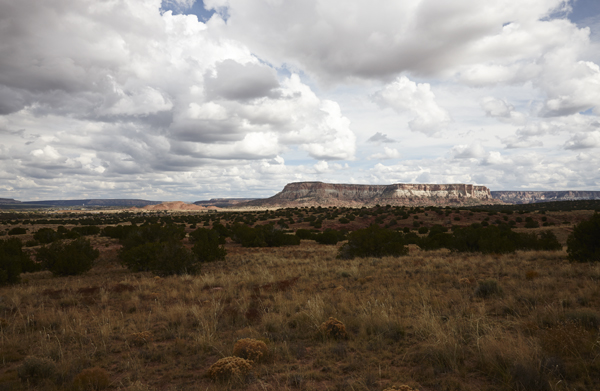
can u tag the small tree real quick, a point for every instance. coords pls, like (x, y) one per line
(207, 245)
(157, 249)
(13, 261)
(68, 259)
(583, 244)
(373, 241)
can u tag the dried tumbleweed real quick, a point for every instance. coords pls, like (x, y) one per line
(230, 368)
(333, 328)
(250, 349)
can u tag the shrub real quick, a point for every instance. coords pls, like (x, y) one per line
(250, 349)
(157, 249)
(69, 259)
(333, 328)
(423, 230)
(373, 241)
(532, 224)
(13, 261)
(329, 236)
(91, 379)
(207, 245)
(162, 258)
(230, 368)
(36, 369)
(304, 234)
(487, 288)
(17, 231)
(583, 244)
(86, 230)
(46, 235)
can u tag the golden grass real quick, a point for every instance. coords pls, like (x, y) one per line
(413, 320)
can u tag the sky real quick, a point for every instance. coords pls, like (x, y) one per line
(191, 100)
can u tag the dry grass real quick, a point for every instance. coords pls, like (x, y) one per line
(415, 320)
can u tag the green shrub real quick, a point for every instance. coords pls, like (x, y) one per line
(86, 230)
(207, 245)
(118, 232)
(262, 236)
(583, 244)
(13, 261)
(17, 231)
(373, 242)
(329, 236)
(532, 224)
(46, 235)
(423, 230)
(67, 259)
(305, 234)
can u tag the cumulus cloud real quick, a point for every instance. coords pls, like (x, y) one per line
(500, 109)
(467, 151)
(235, 81)
(126, 98)
(404, 95)
(583, 141)
(388, 153)
(140, 92)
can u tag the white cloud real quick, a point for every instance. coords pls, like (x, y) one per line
(467, 151)
(584, 141)
(404, 95)
(388, 153)
(502, 110)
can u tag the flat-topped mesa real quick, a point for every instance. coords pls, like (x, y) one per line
(332, 194)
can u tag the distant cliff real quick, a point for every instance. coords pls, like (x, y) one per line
(530, 197)
(329, 194)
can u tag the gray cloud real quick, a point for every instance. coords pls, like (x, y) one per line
(235, 81)
(380, 138)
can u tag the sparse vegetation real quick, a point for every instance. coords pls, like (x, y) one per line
(299, 317)
(584, 242)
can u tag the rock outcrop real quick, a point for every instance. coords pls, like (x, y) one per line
(329, 194)
(530, 197)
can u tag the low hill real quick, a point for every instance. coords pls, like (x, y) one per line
(178, 205)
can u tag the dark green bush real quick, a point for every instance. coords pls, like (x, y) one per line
(329, 236)
(423, 230)
(46, 235)
(262, 236)
(86, 230)
(208, 246)
(158, 249)
(17, 231)
(373, 241)
(119, 231)
(583, 244)
(532, 224)
(67, 259)
(13, 261)
(305, 234)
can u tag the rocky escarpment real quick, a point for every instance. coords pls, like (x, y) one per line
(530, 197)
(329, 194)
